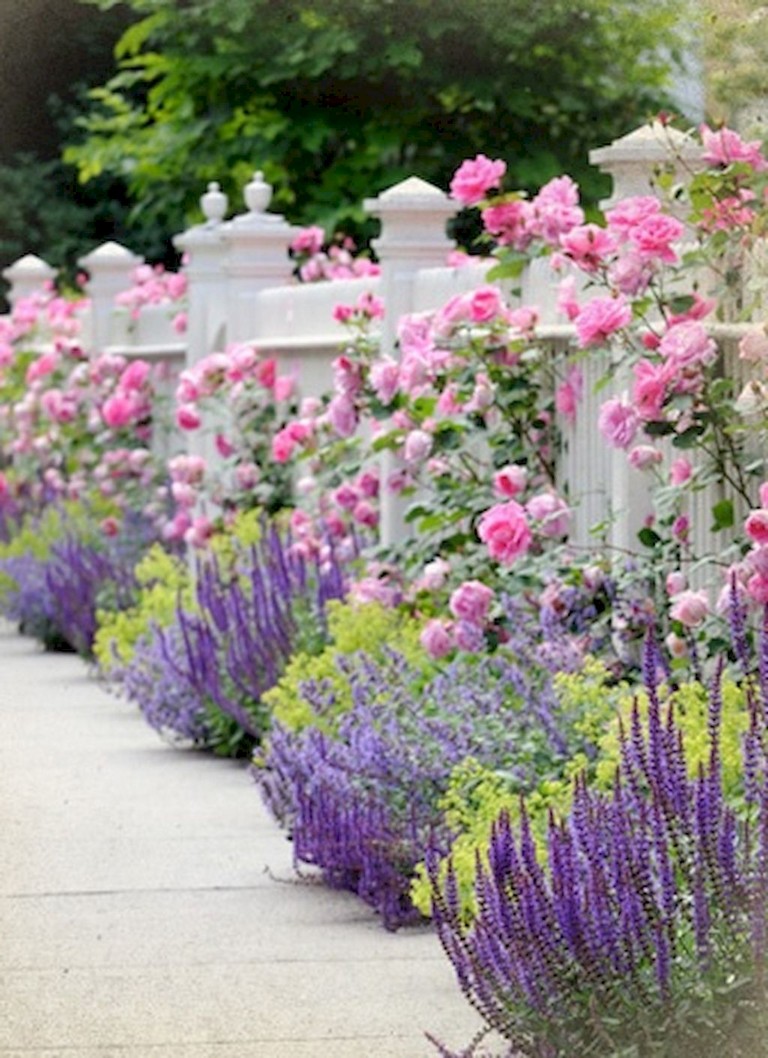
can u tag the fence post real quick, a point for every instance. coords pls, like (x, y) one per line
(111, 268)
(413, 216)
(26, 276)
(205, 251)
(634, 161)
(257, 256)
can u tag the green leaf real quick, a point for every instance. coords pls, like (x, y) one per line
(648, 537)
(722, 515)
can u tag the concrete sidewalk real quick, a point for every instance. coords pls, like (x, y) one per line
(148, 908)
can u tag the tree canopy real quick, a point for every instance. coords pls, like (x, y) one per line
(337, 99)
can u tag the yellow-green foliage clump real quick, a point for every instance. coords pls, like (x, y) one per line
(164, 582)
(37, 534)
(477, 793)
(691, 707)
(369, 628)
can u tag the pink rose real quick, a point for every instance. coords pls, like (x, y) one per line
(507, 222)
(135, 375)
(471, 601)
(308, 240)
(418, 445)
(187, 417)
(754, 345)
(510, 480)
(675, 583)
(365, 513)
(434, 575)
(551, 512)
(569, 393)
(690, 608)
(724, 146)
(475, 178)
(687, 345)
(342, 415)
(283, 387)
(505, 531)
(654, 235)
(680, 471)
(757, 588)
(618, 422)
(756, 526)
(118, 410)
(436, 638)
(588, 246)
(630, 212)
(641, 457)
(283, 446)
(485, 304)
(567, 302)
(649, 389)
(600, 318)
(246, 475)
(384, 377)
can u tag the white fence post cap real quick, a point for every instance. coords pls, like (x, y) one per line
(110, 255)
(29, 268)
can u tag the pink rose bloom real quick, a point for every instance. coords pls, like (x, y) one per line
(283, 388)
(436, 638)
(434, 575)
(485, 304)
(687, 345)
(42, 366)
(246, 475)
(724, 146)
(763, 491)
(753, 346)
(675, 583)
(630, 212)
(365, 513)
(680, 471)
(224, 447)
(649, 389)
(475, 178)
(266, 372)
(368, 484)
(283, 446)
(200, 532)
(618, 422)
(567, 303)
(505, 531)
(188, 417)
(681, 527)
(507, 222)
(654, 236)
(641, 457)
(588, 246)
(308, 241)
(177, 527)
(343, 313)
(384, 378)
(342, 415)
(418, 445)
(569, 393)
(471, 601)
(600, 318)
(370, 305)
(555, 209)
(509, 481)
(756, 526)
(676, 646)
(346, 497)
(551, 512)
(631, 274)
(135, 375)
(689, 608)
(299, 430)
(184, 495)
(757, 588)
(118, 410)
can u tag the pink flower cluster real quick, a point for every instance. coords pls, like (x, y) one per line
(469, 605)
(152, 285)
(319, 262)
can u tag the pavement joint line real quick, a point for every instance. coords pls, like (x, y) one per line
(131, 892)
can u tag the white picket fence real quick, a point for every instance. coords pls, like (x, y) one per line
(240, 289)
